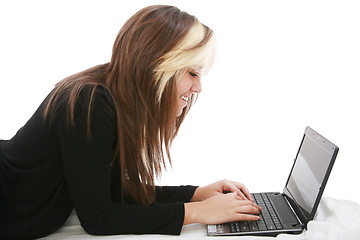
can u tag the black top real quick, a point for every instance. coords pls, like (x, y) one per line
(47, 169)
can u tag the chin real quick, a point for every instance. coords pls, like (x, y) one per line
(180, 112)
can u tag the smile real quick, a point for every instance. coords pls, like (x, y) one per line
(185, 98)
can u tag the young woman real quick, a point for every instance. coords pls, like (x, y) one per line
(97, 141)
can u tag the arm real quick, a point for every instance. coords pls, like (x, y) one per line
(87, 168)
(166, 194)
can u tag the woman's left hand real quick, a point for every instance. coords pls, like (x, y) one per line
(221, 187)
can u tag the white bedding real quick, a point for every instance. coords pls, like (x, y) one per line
(335, 219)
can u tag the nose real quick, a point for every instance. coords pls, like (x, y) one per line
(196, 87)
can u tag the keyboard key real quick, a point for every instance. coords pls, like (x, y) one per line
(278, 226)
(244, 226)
(212, 228)
(220, 228)
(268, 220)
(237, 226)
(262, 226)
(271, 226)
(253, 226)
(232, 227)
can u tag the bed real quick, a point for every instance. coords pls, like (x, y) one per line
(335, 219)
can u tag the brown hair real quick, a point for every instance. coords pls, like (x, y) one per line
(146, 123)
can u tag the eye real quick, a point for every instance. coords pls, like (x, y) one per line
(193, 74)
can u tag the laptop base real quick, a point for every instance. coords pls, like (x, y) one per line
(277, 217)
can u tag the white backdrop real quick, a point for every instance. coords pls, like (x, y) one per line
(281, 65)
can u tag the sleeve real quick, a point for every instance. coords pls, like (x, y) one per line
(87, 168)
(166, 194)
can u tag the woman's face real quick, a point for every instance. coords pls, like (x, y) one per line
(187, 85)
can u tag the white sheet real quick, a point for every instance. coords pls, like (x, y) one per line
(335, 220)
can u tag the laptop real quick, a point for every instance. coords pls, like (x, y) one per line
(290, 211)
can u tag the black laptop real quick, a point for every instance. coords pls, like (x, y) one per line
(290, 211)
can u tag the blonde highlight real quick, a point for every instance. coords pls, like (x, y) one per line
(191, 53)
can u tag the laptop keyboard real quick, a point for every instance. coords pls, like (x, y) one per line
(268, 218)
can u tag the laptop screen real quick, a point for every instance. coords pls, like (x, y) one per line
(310, 170)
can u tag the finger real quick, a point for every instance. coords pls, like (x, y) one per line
(238, 197)
(244, 191)
(249, 205)
(247, 217)
(250, 209)
(230, 186)
(256, 206)
(241, 194)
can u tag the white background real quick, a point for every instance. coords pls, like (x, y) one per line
(281, 65)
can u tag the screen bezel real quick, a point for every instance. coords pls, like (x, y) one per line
(333, 149)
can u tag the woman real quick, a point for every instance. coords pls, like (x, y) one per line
(97, 141)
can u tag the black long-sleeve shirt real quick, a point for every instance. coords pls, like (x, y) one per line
(49, 168)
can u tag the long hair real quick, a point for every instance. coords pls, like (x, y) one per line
(153, 49)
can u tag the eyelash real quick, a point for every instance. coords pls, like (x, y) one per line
(193, 74)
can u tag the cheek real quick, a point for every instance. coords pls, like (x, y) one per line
(183, 86)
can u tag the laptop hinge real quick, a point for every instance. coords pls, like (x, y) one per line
(295, 207)
(301, 224)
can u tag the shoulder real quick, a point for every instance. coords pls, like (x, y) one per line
(89, 98)
(94, 99)
(90, 92)
(91, 101)
(92, 118)
(103, 92)
(100, 99)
